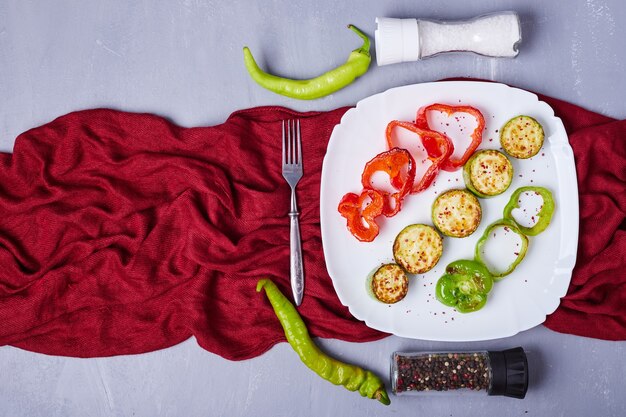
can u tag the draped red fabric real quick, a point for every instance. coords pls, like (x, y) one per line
(123, 233)
(595, 305)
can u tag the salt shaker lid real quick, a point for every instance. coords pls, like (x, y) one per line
(397, 40)
(509, 370)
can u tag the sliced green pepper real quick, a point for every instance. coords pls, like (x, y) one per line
(544, 215)
(520, 253)
(464, 286)
(357, 64)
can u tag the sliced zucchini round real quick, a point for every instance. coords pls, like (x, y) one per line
(417, 248)
(522, 137)
(390, 283)
(457, 213)
(488, 173)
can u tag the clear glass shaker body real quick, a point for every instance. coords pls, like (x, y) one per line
(496, 35)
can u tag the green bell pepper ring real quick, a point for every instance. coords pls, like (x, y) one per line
(464, 286)
(478, 272)
(545, 212)
(350, 376)
(508, 225)
(357, 64)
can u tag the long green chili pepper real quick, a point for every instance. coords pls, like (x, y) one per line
(357, 64)
(350, 376)
(542, 218)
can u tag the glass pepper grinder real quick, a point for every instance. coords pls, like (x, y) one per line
(401, 40)
(493, 372)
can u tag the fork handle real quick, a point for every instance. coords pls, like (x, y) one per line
(295, 258)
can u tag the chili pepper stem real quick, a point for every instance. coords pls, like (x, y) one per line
(365, 48)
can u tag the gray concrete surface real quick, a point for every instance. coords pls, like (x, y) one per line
(182, 59)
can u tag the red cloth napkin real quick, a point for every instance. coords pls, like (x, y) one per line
(122, 233)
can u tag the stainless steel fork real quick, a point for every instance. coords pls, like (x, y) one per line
(292, 172)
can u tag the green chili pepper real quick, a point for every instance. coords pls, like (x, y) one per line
(508, 225)
(464, 286)
(357, 64)
(544, 215)
(339, 373)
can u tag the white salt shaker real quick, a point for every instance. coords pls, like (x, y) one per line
(402, 40)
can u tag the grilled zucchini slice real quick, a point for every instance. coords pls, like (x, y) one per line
(457, 213)
(417, 248)
(522, 137)
(488, 173)
(390, 283)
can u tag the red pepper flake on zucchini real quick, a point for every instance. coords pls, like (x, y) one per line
(417, 248)
(390, 283)
(522, 137)
(488, 173)
(457, 213)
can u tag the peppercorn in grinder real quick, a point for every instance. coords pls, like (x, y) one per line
(493, 372)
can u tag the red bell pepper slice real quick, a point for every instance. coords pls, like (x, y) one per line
(453, 164)
(437, 145)
(361, 220)
(400, 166)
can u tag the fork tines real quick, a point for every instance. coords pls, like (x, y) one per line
(292, 146)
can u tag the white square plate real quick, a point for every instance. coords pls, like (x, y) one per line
(518, 302)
